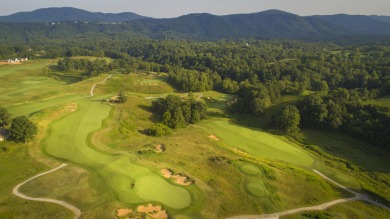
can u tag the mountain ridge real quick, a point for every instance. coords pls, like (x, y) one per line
(69, 14)
(200, 26)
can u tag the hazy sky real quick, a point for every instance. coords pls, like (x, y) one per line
(174, 8)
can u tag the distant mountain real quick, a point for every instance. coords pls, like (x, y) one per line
(381, 18)
(359, 24)
(268, 24)
(68, 14)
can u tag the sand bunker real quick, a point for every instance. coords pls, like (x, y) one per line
(152, 211)
(239, 151)
(123, 212)
(231, 102)
(160, 148)
(214, 137)
(181, 180)
(72, 107)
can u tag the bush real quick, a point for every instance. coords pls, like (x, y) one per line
(159, 129)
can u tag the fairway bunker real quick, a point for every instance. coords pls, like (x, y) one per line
(160, 148)
(214, 138)
(239, 151)
(181, 180)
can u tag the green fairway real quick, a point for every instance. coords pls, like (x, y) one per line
(258, 143)
(67, 140)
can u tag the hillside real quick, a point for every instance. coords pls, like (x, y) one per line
(68, 14)
(359, 24)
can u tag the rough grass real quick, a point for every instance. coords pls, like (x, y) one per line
(258, 143)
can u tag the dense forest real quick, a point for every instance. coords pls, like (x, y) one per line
(258, 72)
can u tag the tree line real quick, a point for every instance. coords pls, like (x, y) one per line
(176, 113)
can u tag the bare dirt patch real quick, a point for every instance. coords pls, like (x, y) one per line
(160, 148)
(180, 179)
(214, 137)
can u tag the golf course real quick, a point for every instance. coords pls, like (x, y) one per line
(94, 156)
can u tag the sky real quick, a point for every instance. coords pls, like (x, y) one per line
(175, 8)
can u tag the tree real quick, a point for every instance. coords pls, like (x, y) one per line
(121, 97)
(22, 129)
(287, 121)
(5, 117)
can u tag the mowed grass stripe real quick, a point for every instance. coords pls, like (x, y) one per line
(67, 140)
(258, 143)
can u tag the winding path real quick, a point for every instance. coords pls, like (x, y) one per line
(93, 87)
(15, 191)
(321, 207)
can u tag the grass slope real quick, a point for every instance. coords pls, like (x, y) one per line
(258, 143)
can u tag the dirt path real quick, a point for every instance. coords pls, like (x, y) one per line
(321, 207)
(93, 87)
(15, 191)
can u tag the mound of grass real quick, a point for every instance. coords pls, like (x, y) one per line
(249, 169)
(256, 189)
(258, 143)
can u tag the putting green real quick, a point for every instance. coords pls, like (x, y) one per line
(258, 143)
(256, 189)
(249, 169)
(67, 140)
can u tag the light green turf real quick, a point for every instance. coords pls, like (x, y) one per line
(256, 189)
(258, 143)
(249, 169)
(67, 140)
(29, 65)
(28, 108)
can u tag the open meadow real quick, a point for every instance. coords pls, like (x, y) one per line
(216, 168)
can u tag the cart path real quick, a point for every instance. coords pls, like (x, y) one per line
(15, 191)
(93, 87)
(321, 207)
